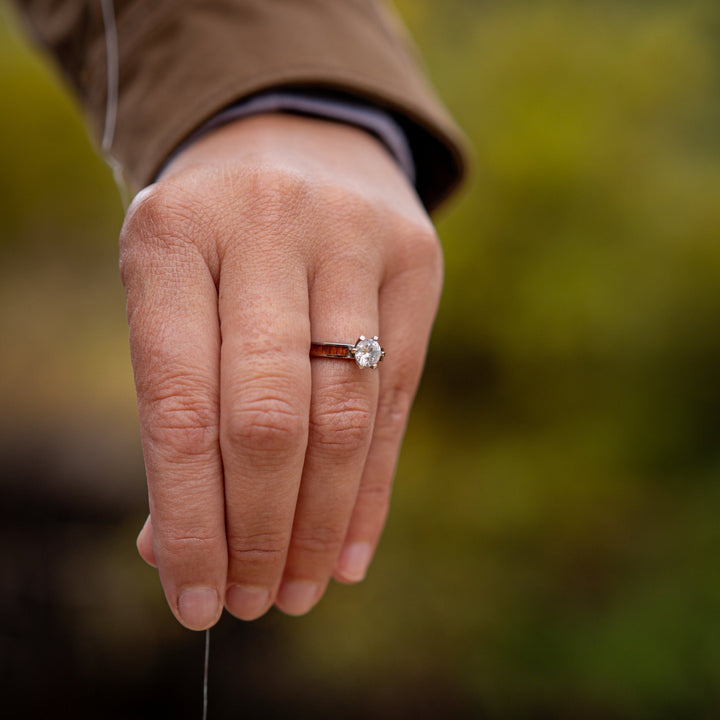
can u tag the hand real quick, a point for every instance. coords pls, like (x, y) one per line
(268, 472)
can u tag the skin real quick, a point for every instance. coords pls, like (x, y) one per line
(269, 473)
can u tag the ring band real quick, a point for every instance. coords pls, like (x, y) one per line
(366, 352)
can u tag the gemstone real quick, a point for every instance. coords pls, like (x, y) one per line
(368, 352)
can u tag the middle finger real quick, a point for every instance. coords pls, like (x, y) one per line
(264, 401)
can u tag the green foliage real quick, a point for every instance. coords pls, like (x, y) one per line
(552, 550)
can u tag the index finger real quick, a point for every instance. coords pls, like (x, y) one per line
(175, 347)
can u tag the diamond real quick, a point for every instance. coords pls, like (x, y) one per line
(367, 352)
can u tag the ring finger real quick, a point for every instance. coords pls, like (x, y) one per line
(342, 414)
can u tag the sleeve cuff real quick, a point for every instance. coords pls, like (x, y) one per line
(363, 115)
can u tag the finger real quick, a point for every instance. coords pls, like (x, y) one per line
(174, 340)
(265, 372)
(408, 303)
(342, 411)
(145, 543)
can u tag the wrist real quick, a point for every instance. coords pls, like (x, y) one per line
(288, 140)
(321, 105)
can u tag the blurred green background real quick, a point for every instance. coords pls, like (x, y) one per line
(553, 549)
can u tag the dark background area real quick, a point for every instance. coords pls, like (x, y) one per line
(552, 550)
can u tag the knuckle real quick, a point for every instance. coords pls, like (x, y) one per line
(162, 217)
(375, 493)
(343, 423)
(318, 540)
(182, 435)
(259, 550)
(432, 251)
(425, 236)
(274, 191)
(392, 413)
(348, 259)
(156, 209)
(349, 205)
(179, 422)
(266, 425)
(277, 182)
(193, 542)
(420, 248)
(427, 248)
(272, 201)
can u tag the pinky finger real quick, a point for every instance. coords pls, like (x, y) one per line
(406, 331)
(370, 512)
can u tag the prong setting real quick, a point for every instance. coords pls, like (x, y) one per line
(367, 352)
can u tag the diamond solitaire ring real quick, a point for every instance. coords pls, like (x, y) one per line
(366, 352)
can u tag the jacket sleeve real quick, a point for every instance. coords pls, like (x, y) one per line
(183, 61)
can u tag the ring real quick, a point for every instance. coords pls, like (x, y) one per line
(366, 352)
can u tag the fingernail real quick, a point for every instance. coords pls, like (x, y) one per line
(247, 602)
(297, 597)
(353, 561)
(198, 607)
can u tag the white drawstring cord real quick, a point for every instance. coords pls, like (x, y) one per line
(112, 64)
(205, 674)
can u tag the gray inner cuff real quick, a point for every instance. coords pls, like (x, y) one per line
(367, 117)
